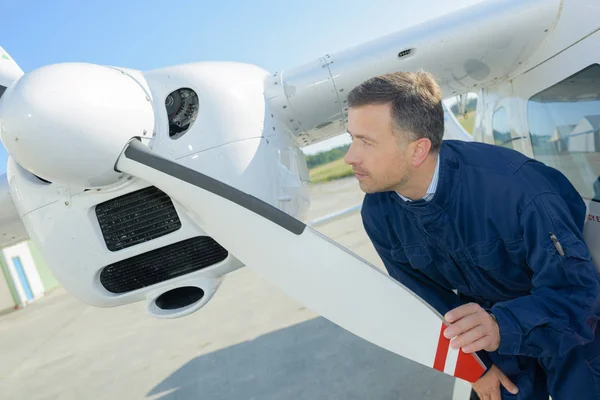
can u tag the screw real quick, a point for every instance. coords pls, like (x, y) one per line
(66, 203)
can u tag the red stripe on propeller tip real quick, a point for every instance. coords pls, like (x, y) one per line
(468, 367)
(442, 351)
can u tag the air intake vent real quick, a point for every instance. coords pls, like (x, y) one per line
(404, 53)
(136, 218)
(162, 264)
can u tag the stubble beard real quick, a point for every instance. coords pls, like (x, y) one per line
(371, 185)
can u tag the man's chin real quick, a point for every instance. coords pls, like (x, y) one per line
(368, 189)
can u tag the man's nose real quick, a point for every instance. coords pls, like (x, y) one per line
(350, 157)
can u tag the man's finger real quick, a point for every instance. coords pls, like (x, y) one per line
(461, 311)
(464, 325)
(468, 337)
(508, 384)
(477, 345)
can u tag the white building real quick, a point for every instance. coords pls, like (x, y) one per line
(24, 277)
(560, 137)
(585, 136)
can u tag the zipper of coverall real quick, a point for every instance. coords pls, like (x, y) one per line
(465, 280)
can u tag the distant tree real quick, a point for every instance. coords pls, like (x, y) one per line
(471, 106)
(325, 157)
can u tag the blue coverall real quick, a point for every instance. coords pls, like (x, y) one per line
(486, 234)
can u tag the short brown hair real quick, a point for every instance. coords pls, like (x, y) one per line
(416, 101)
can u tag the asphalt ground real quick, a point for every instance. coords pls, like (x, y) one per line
(250, 341)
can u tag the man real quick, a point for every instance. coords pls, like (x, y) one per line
(490, 238)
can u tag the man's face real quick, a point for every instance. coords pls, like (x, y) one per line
(377, 154)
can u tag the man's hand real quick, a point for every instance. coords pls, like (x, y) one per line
(488, 386)
(472, 328)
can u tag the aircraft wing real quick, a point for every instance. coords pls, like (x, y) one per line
(12, 229)
(465, 50)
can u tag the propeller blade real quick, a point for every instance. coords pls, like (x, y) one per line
(308, 266)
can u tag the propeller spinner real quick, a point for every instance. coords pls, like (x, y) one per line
(69, 123)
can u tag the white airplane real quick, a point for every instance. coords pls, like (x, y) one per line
(153, 185)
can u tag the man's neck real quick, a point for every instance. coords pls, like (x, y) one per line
(420, 179)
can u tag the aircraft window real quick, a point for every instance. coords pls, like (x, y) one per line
(564, 125)
(501, 129)
(2, 89)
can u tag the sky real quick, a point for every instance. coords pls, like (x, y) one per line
(150, 34)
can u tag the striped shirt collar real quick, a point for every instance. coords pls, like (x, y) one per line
(432, 186)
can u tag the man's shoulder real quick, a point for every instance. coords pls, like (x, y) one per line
(484, 156)
(510, 170)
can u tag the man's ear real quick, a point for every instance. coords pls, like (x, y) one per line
(420, 151)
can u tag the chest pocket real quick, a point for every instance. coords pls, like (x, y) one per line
(497, 254)
(417, 256)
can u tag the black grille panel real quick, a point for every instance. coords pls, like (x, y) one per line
(162, 264)
(136, 218)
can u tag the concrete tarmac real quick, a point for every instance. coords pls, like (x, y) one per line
(249, 342)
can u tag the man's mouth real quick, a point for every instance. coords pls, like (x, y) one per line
(360, 175)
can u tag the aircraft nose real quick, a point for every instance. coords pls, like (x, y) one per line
(69, 122)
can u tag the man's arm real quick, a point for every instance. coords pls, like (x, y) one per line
(440, 298)
(435, 295)
(564, 305)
